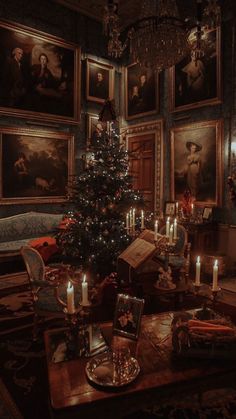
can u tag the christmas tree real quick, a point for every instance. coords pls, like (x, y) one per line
(102, 194)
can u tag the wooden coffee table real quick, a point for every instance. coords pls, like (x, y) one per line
(162, 376)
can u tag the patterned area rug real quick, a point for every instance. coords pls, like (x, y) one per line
(24, 373)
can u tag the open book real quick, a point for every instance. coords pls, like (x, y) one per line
(141, 249)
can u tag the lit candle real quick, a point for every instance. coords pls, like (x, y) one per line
(175, 229)
(127, 220)
(168, 227)
(171, 234)
(134, 217)
(70, 298)
(192, 208)
(215, 276)
(130, 219)
(142, 219)
(176, 208)
(156, 230)
(84, 292)
(198, 271)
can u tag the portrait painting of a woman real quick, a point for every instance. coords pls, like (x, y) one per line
(196, 162)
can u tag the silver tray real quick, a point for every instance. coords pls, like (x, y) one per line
(101, 370)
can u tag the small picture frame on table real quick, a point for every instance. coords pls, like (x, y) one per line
(128, 314)
(170, 208)
(207, 214)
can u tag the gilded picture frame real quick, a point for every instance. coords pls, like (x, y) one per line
(39, 75)
(197, 82)
(141, 91)
(36, 166)
(145, 142)
(128, 315)
(196, 162)
(99, 81)
(95, 130)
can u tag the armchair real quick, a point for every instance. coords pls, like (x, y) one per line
(44, 290)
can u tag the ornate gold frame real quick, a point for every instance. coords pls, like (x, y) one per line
(30, 36)
(198, 132)
(218, 87)
(39, 134)
(126, 95)
(156, 128)
(102, 66)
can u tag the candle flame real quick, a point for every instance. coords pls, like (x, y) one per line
(216, 263)
(84, 278)
(69, 285)
(198, 259)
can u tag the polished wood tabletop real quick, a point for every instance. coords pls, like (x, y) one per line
(162, 374)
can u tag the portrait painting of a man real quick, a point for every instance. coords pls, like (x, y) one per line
(196, 162)
(35, 166)
(141, 91)
(195, 80)
(38, 76)
(100, 81)
(95, 132)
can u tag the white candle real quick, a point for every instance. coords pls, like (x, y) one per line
(168, 227)
(198, 271)
(134, 217)
(192, 208)
(215, 276)
(156, 230)
(142, 219)
(171, 234)
(130, 219)
(84, 292)
(175, 229)
(70, 298)
(127, 221)
(177, 208)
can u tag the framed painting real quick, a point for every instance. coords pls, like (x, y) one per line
(141, 91)
(39, 75)
(196, 162)
(197, 82)
(35, 165)
(95, 130)
(145, 145)
(99, 81)
(207, 213)
(170, 208)
(128, 314)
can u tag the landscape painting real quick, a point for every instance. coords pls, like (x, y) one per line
(35, 166)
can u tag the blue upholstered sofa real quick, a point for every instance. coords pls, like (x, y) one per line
(20, 229)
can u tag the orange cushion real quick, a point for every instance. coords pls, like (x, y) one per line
(46, 246)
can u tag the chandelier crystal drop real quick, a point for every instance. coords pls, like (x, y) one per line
(159, 40)
(158, 37)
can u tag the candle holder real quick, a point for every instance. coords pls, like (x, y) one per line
(76, 337)
(207, 311)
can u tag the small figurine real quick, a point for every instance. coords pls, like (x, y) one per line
(165, 279)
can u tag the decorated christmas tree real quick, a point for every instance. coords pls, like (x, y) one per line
(102, 194)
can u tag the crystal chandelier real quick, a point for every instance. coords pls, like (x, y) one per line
(159, 37)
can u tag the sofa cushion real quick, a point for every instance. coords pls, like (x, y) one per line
(13, 246)
(28, 226)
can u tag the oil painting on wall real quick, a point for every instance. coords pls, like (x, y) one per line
(99, 81)
(35, 166)
(196, 81)
(196, 162)
(141, 91)
(39, 75)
